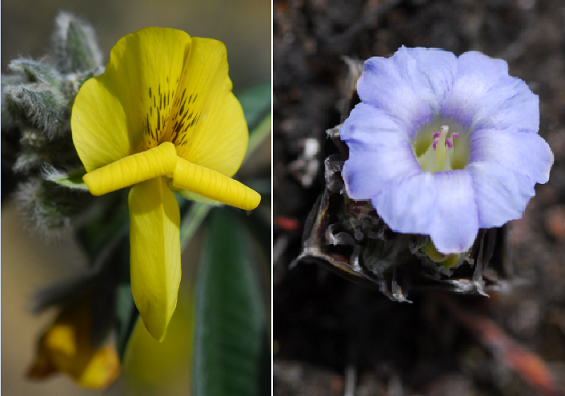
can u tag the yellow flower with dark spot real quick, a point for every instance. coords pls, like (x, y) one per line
(162, 117)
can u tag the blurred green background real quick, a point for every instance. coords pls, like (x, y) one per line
(28, 262)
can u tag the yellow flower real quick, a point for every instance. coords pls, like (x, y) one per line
(65, 347)
(162, 117)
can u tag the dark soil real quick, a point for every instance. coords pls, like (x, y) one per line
(336, 337)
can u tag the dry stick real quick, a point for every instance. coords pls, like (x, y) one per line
(527, 364)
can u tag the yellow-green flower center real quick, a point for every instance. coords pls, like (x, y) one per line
(441, 145)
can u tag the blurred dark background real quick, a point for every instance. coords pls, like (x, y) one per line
(334, 337)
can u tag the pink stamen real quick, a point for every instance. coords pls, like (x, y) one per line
(436, 135)
(449, 143)
(435, 143)
(455, 134)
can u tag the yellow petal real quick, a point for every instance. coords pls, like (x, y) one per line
(155, 253)
(133, 169)
(125, 110)
(65, 347)
(214, 185)
(207, 125)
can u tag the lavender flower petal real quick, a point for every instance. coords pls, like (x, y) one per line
(375, 141)
(408, 206)
(523, 152)
(456, 220)
(485, 96)
(501, 193)
(409, 86)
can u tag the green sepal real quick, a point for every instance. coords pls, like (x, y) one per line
(444, 260)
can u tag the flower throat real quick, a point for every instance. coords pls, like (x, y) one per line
(444, 150)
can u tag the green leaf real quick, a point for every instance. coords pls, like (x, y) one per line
(256, 103)
(36, 71)
(259, 227)
(229, 319)
(71, 179)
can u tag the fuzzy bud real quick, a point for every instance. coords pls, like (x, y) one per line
(41, 105)
(75, 45)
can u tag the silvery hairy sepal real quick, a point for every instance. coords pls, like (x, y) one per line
(76, 49)
(36, 105)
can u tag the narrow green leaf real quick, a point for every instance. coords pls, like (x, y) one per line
(256, 103)
(259, 227)
(229, 314)
(71, 179)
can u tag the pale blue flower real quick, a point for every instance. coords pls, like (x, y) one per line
(444, 145)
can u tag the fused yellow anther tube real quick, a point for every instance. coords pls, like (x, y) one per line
(214, 185)
(133, 169)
